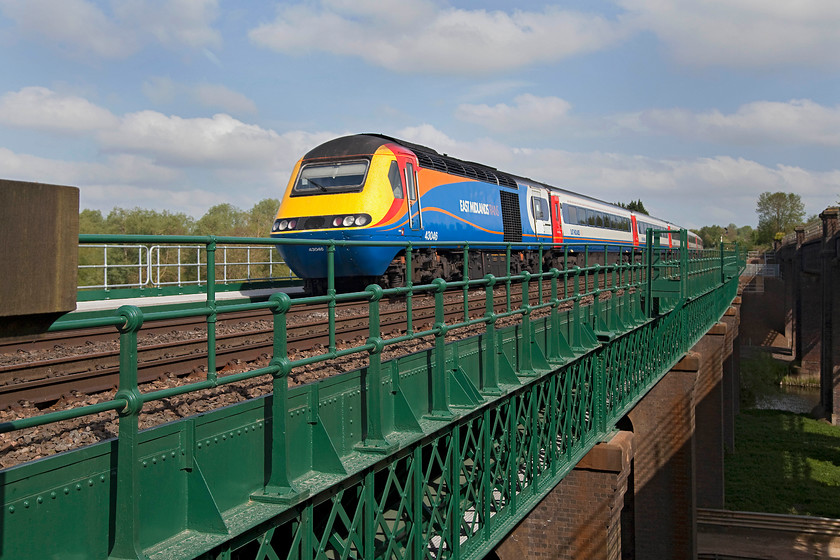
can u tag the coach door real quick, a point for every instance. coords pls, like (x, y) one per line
(540, 215)
(415, 216)
(556, 222)
(408, 166)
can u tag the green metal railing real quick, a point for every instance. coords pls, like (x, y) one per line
(435, 454)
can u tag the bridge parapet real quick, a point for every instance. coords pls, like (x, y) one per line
(434, 454)
(808, 308)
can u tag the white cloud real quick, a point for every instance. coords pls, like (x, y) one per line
(690, 191)
(172, 22)
(743, 33)
(216, 142)
(162, 90)
(796, 122)
(81, 28)
(420, 36)
(75, 24)
(215, 95)
(120, 169)
(528, 112)
(40, 108)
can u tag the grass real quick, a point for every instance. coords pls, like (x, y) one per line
(784, 463)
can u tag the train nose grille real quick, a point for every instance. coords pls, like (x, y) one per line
(314, 222)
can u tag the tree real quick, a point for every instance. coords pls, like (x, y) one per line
(224, 220)
(778, 213)
(91, 221)
(261, 216)
(634, 206)
(147, 222)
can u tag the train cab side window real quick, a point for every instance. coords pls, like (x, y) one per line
(539, 208)
(396, 180)
(409, 177)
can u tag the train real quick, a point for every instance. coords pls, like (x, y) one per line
(375, 188)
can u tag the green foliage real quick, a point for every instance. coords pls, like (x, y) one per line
(261, 216)
(712, 235)
(784, 463)
(147, 222)
(634, 206)
(778, 213)
(220, 220)
(760, 376)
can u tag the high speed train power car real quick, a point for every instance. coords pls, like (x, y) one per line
(374, 188)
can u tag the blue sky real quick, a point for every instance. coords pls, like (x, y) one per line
(694, 106)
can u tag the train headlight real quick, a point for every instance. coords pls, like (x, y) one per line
(276, 226)
(337, 221)
(349, 221)
(282, 225)
(361, 220)
(292, 223)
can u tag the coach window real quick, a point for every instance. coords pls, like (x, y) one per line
(396, 180)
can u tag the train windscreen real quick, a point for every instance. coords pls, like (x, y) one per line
(334, 177)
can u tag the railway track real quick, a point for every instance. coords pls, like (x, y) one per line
(249, 337)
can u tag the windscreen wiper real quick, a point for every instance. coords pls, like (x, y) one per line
(317, 184)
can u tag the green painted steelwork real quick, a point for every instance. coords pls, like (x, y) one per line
(435, 454)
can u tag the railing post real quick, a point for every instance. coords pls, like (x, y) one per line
(127, 514)
(576, 327)
(373, 437)
(490, 382)
(684, 274)
(526, 363)
(211, 305)
(507, 277)
(439, 394)
(279, 487)
(466, 279)
(331, 293)
(409, 297)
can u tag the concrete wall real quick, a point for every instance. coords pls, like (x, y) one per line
(39, 228)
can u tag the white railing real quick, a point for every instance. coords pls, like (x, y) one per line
(771, 270)
(111, 266)
(131, 269)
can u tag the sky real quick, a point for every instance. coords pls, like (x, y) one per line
(693, 106)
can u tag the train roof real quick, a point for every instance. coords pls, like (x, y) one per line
(365, 145)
